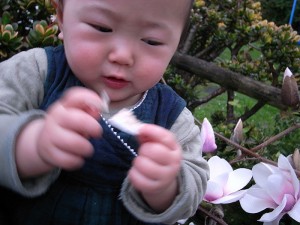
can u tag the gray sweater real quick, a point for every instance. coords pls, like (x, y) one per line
(22, 90)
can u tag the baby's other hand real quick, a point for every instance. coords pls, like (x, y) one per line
(155, 169)
(69, 123)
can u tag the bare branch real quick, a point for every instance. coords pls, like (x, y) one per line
(252, 111)
(212, 95)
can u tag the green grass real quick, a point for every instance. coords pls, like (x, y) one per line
(264, 118)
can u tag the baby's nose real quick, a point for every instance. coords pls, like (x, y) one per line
(122, 53)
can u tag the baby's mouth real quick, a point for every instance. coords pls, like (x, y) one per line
(115, 83)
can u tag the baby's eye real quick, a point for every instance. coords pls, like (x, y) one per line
(105, 29)
(102, 28)
(152, 42)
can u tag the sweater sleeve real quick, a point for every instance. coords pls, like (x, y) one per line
(192, 179)
(22, 90)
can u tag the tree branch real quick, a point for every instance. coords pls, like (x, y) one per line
(229, 80)
(214, 94)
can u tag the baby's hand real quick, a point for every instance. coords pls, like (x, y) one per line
(60, 140)
(68, 125)
(155, 169)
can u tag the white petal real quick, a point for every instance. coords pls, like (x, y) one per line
(284, 163)
(213, 191)
(221, 180)
(238, 132)
(258, 192)
(261, 171)
(268, 217)
(125, 121)
(182, 221)
(276, 221)
(230, 198)
(254, 203)
(105, 101)
(218, 166)
(278, 186)
(287, 73)
(295, 212)
(237, 180)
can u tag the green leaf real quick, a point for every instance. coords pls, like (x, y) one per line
(6, 18)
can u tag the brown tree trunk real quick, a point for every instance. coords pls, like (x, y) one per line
(229, 80)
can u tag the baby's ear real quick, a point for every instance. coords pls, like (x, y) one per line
(60, 24)
(61, 36)
(59, 19)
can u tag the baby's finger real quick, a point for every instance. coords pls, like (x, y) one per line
(160, 153)
(71, 142)
(75, 120)
(154, 133)
(84, 99)
(62, 159)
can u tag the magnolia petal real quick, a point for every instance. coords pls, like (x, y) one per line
(237, 180)
(287, 73)
(257, 192)
(260, 173)
(105, 101)
(230, 198)
(284, 163)
(213, 191)
(253, 203)
(182, 221)
(126, 121)
(279, 186)
(237, 136)
(222, 180)
(218, 166)
(276, 221)
(209, 145)
(294, 213)
(268, 217)
(207, 137)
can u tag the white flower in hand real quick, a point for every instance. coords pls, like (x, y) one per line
(276, 188)
(225, 184)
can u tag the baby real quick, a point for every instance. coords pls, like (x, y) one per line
(55, 140)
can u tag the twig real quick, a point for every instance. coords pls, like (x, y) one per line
(253, 110)
(214, 94)
(276, 137)
(212, 216)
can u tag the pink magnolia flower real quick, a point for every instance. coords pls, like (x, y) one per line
(207, 137)
(276, 188)
(225, 184)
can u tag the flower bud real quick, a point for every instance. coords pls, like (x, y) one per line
(289, 91)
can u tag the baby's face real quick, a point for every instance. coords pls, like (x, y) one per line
(122, 46)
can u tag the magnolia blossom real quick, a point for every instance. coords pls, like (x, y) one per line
(225, 184)
(207, 137)
(276, 188)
